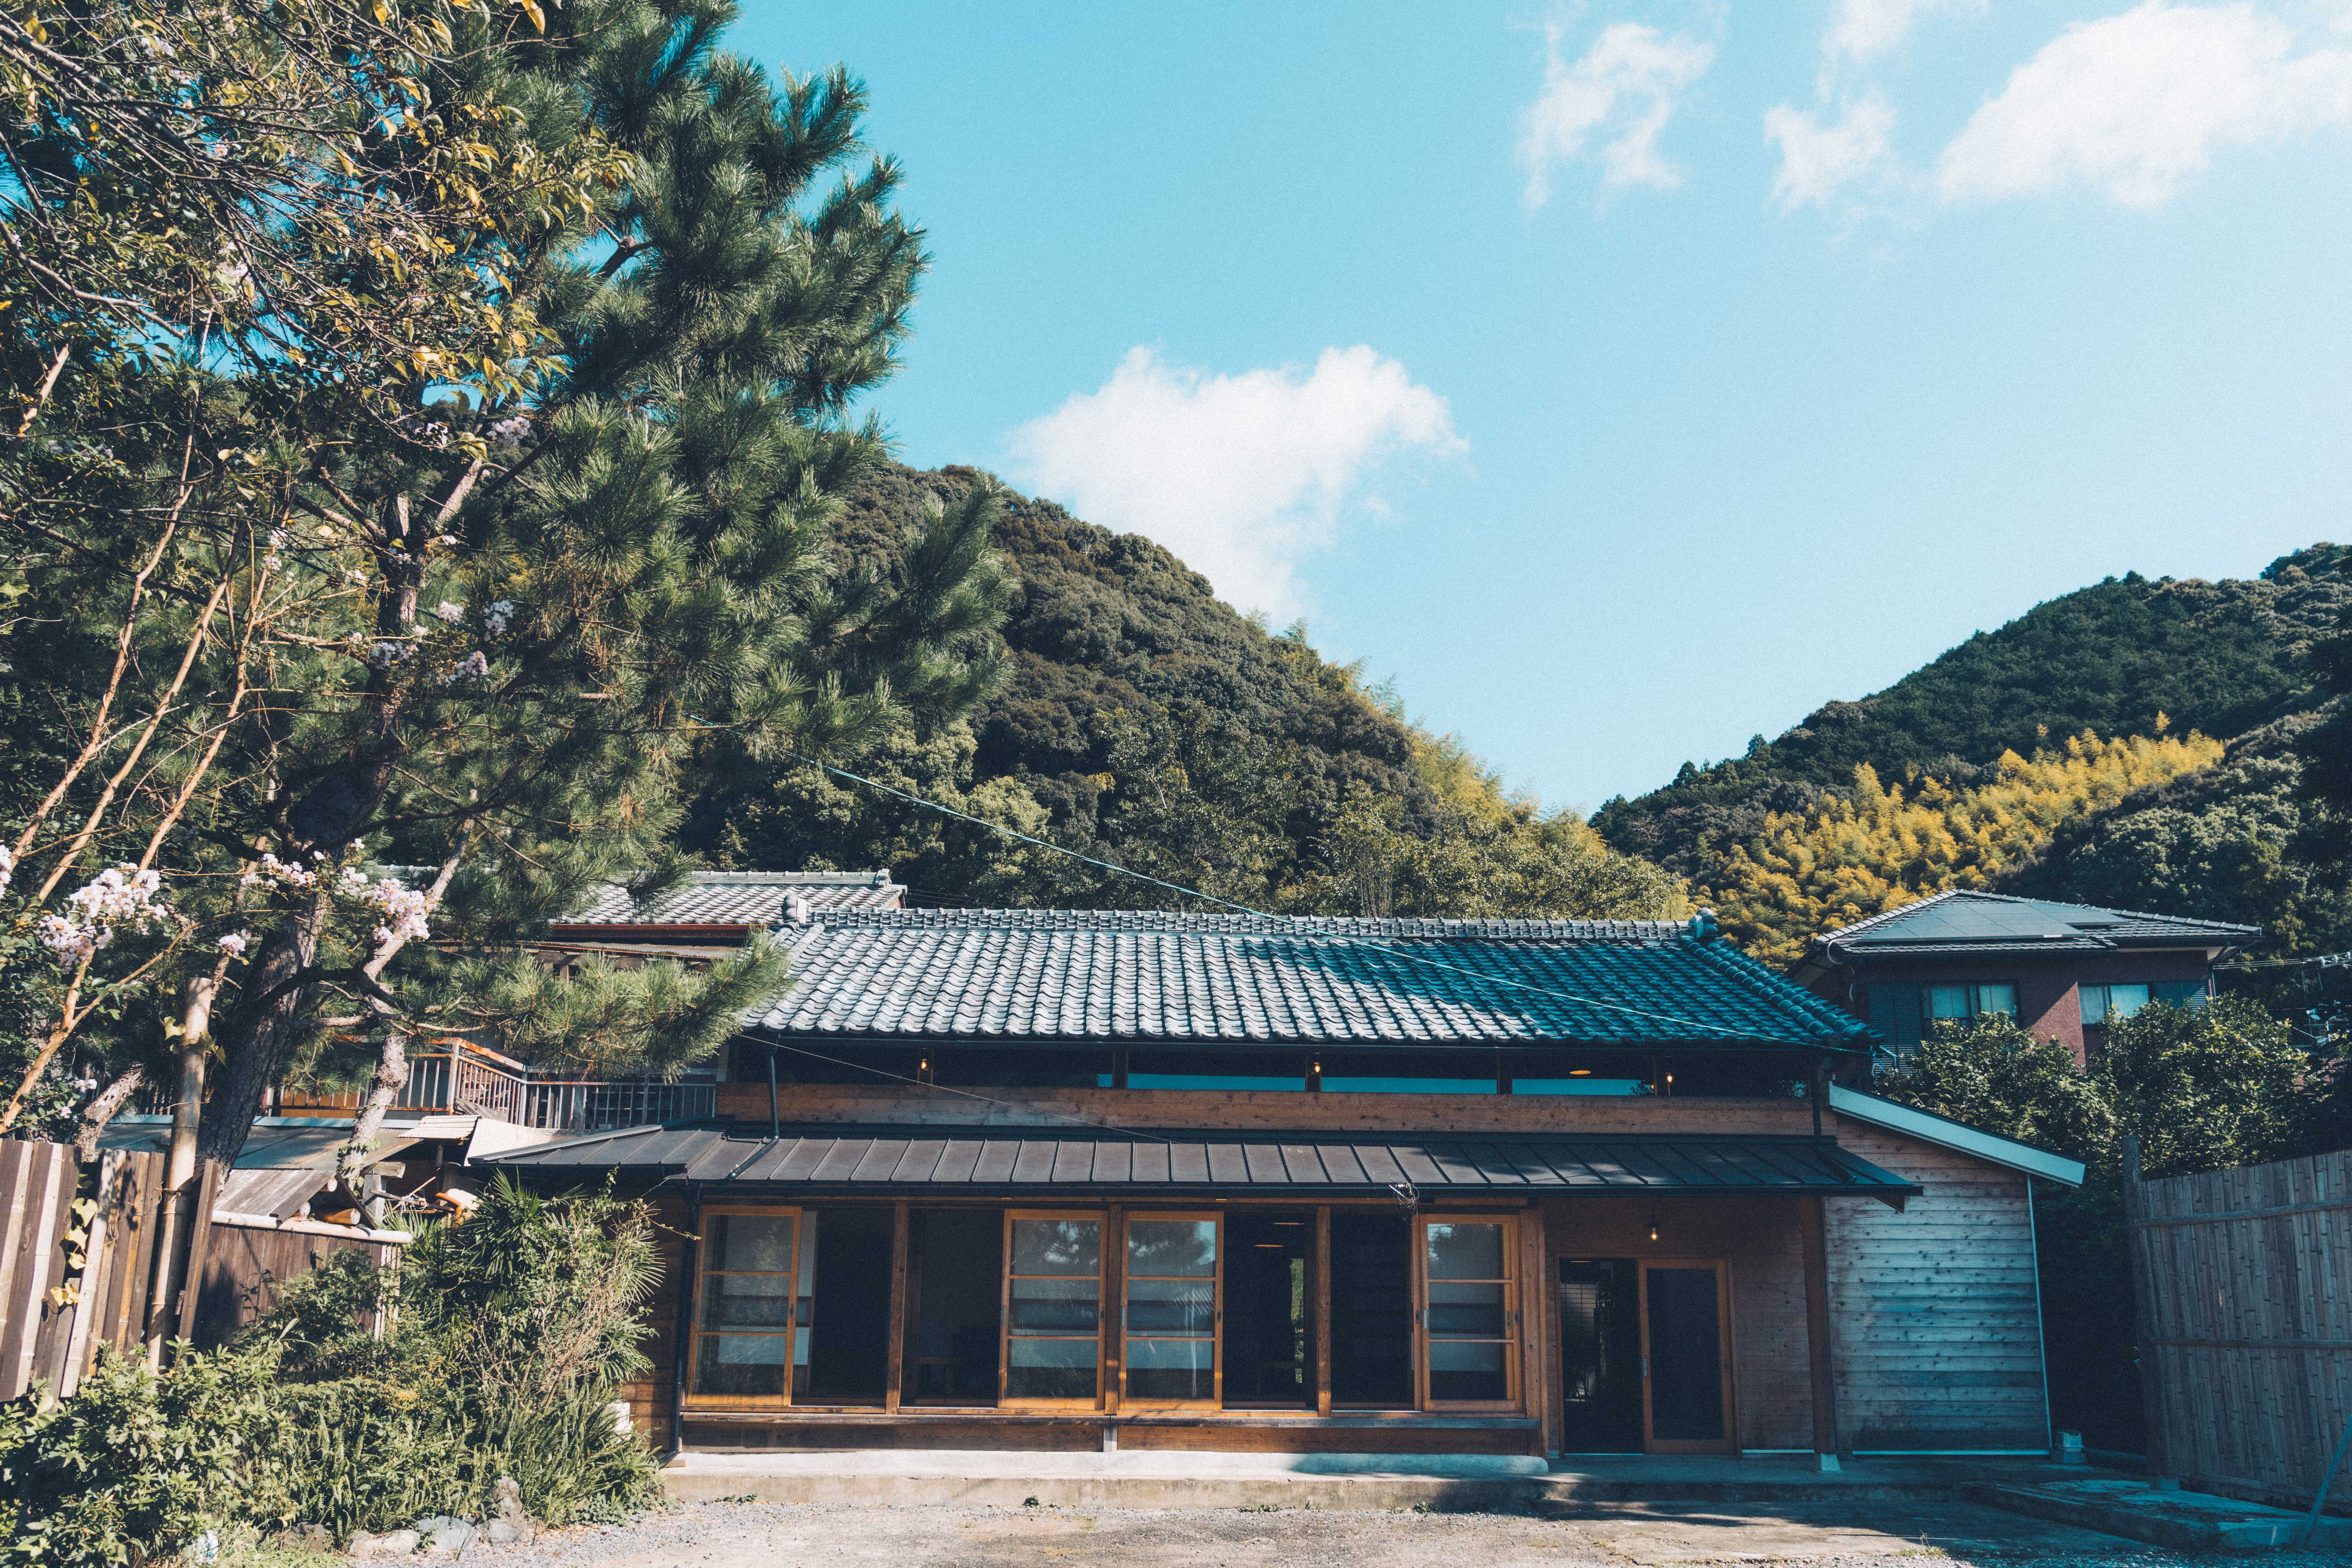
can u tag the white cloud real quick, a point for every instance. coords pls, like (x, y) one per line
(1865, 29)
(1818, 159)
(1619, 96)
(2136, 105)
(1242, 476)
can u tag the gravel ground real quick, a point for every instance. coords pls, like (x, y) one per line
(1853, 1535)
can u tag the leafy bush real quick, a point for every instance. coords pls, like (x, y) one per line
(511, 1333)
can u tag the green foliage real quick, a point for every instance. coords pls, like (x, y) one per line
(1876, 847)
(446, 600)
(510, 1335)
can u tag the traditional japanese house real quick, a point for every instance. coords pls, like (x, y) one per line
(1136, 1180)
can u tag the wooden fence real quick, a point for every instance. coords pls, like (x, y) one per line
(2244, 1280)
(77, 1258)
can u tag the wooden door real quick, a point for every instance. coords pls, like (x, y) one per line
(1686, 1356)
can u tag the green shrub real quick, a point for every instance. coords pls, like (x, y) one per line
(510, 1335)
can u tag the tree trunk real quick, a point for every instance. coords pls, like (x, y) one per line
(390, 1078)
(99, 1111)
(258, 1028)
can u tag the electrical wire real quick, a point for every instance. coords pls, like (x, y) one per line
(1408, 955)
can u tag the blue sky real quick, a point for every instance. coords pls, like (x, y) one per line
(1629, 379)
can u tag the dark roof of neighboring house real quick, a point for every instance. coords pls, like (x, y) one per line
(740, 898)
(1976, 922)
(1060, 976)
(885, 1159)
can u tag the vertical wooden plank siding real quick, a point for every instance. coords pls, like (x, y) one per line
(894, 1366)
(1937, 1327)
(1323, 1309)
(2246, 1326)
(650, 1394)
(1820, 1327)
(37, 1263)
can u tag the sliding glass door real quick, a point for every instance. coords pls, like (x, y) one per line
(1470, 1317)
(1053, 1308)
(1687, 1355)
(748, 1308)
(1173, 1311)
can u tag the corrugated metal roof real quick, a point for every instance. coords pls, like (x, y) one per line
(1047, 976)
(277, 1190)
(883, 1160)
(740, 897)
(1965, 920)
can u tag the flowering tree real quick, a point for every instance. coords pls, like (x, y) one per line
(476, 596)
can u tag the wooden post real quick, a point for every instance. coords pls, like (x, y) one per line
(1534, 1344)
(200, 1240)
(1322, 1298)
(894, 1370)
(1112, 1346)
(681, 1339)
(2151, 1398)
(1820, 1331)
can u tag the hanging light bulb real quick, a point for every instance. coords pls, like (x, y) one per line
(1654, 1219)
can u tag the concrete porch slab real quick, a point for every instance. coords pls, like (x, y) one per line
(1146, 1480)
(2188, 1520)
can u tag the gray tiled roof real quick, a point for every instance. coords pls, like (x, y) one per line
(1965, 920)
(742, 897)
(1010, 976)
(884, 1159)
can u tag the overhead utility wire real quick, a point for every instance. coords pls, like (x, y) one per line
(1375, 943)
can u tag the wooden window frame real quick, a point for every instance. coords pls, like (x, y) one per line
(1216, 1335)
(1514, 1316)
(1106, 1231)
(703, 1253)
(1730, 1442)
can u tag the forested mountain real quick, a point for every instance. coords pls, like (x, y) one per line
(2221, 659)
(2073, 753)
(1142, 721)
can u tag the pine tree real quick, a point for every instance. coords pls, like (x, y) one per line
(492, 609)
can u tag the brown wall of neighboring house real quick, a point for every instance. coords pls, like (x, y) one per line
(2049, 991)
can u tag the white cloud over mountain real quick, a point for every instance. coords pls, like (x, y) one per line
(2137, 106)
(1611, 106)
(1818, 159)
(1242, 476)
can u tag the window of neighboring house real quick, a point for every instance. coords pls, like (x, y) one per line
(1965, 1004)
(2105, 1004)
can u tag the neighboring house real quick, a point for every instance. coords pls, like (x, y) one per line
(1039, 1179)
(2064, 972)
(712, 912)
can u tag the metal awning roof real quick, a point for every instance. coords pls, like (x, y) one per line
(881, 1161)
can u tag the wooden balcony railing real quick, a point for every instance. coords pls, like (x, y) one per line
(457, 1076)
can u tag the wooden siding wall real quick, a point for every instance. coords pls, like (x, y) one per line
(243, 1265)
(53, 1316)
(1261, 1110)
(2249, 1284)
(652, 1393)
(1760, 1237)
(1937, 1320)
